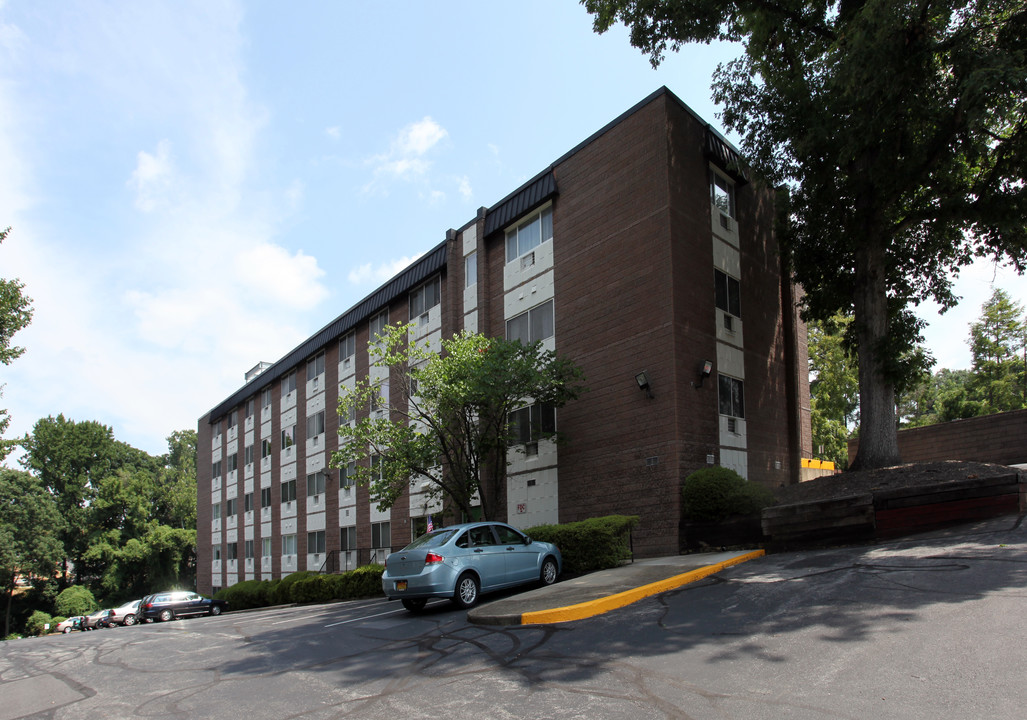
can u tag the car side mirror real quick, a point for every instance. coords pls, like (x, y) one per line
(527, 540)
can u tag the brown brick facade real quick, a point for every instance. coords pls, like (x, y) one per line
(633, 290)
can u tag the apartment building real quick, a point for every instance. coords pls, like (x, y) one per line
(647, 255)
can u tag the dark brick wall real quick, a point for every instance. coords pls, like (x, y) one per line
(204, 552)
(999, 438)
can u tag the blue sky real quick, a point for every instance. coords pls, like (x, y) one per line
(194, 187)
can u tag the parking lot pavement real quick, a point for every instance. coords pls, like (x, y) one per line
(605, 590)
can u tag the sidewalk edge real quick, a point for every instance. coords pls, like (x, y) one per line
(622, 599)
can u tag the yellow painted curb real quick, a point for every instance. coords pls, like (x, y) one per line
(619, 600)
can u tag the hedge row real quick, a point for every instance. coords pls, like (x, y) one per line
(589, 545)
(303, 587)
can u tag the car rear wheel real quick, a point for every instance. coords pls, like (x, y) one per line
(166, 615)
(466, 591)
(549, 571)
(415, 604)
(215, 609)
(129, 620)
(66, 630)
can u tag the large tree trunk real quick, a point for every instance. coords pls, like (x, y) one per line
(878, 435)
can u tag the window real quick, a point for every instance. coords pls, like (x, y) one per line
(378, 323)
(377, 467)
(289, 544)
(265, 547)
(316, 542)
(425, 297)
(529, 424)
(250, 406)
(288, 491)
(381, 535)
(215, 511)
(231, 419)
(215, 429)
(531, 233)
(315, 484)
(722, 193)
(247, 502)
(248, 455)
(215, 469)
(233, 462)
(380, 396)
(348, 538)
(288, 383)
(732, 397)
(532, 326)
(288, 437)
(265, 497)
(728, 293)
(471, 269)
(232, 551)
(265, 398)
(347, 475)
(316, 366)
(217, 552)
(231, 507)
(347, 346)
(265, 448)
(316, 424)
(248, 550)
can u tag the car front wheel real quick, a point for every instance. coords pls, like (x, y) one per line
(549, 572)
(466, 591)
(215, 609)
(166, 615)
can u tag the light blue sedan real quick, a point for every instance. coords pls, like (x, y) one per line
(460, 562)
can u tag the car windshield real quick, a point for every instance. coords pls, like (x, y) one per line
(430, 540)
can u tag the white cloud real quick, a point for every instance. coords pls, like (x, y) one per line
(152, 177)
(334, 132)
(405, 161)
(464, 186)
(367, 273)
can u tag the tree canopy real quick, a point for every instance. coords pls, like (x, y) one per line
(447, 411)
(15, 314)
(899, 132)
(29, 523)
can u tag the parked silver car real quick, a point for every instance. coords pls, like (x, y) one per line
(127, 614)
(462, 561)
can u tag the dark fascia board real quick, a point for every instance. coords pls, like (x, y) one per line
(406, 280)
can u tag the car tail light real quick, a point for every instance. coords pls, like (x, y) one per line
(432, 558)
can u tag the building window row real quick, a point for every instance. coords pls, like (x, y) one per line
(532, 326)
(529, 234)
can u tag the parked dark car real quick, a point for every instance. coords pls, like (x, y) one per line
(173, 604)
(462, 561)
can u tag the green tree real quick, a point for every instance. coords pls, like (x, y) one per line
(449, 412)
(72, 459)
(29, 522)
(941, 397)
(998, 341)
(15, 314)
(834, 389)
(899, 130)
(75, 600)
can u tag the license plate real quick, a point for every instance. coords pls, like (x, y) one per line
(401, 584)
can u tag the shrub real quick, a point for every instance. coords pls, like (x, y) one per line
(282, 592)
(37, 623)
(311, 589)
(589, 545)
(716, 493)
(246, 594)
(76, 600)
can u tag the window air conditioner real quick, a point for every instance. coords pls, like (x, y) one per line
(725, 221)
(528, 260)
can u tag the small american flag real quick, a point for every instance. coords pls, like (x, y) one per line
(431, 525)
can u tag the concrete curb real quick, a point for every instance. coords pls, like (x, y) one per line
(592, 608)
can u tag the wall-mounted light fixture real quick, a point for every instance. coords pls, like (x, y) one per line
(643, 383)
(704, 372)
